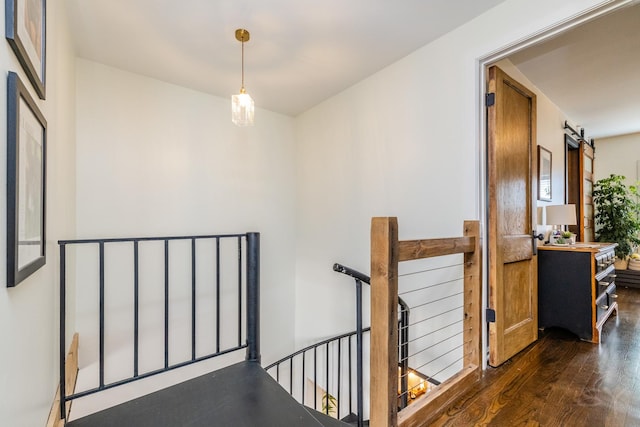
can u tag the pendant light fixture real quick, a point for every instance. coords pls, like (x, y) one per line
(242, 108)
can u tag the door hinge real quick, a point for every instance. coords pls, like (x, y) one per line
(491, 315)
(490, 99)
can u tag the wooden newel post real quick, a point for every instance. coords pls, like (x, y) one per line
(472, 297)
(384, 322)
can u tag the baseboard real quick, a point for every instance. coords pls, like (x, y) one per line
(71, 374)
(628, 278)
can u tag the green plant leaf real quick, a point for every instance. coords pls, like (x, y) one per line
(617, 212)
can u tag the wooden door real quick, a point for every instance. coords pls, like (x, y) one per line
(579, 187)
(513, 274)
(573, 188)
(587, 227)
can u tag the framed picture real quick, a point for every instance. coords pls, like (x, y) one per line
(26, 179)
(25, 29)
(544, 174)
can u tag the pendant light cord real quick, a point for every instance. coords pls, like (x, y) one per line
(242, 62)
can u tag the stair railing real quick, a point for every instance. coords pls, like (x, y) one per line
(386, 253)
(403, 335)
(287, 369)
(359, 278)
(245, 248)
(305, 361)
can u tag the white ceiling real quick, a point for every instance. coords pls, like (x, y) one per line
(300, 53)
(592, 73)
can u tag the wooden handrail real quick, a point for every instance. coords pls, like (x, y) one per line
(386, 253)
(417, 249)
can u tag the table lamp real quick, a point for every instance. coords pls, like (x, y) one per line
(558, 216)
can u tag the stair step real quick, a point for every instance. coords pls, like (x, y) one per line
(325, 419)
(352, 419)
(240, 395)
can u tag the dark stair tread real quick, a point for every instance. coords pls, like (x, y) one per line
(325, 419)
(352, 419)
(238, 395)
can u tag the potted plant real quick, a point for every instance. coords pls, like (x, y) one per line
(616, 214)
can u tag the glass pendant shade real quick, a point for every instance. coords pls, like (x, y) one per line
(242, 109)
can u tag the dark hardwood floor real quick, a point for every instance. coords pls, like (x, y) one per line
(562, 381)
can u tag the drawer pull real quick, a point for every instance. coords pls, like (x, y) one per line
(614, 296)
(604, 307)
(603, 283)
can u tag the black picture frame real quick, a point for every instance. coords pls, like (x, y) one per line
(26, 183)
(25, 30)
(544, 174)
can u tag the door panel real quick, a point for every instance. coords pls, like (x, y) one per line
(574, 183)
(516, 295)
(517, 248)
(586, 221)
(513, 281)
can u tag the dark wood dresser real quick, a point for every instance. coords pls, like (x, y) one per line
(576, 288)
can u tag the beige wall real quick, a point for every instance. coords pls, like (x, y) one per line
(618, 155)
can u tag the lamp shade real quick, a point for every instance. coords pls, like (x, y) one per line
(561, 215)
(242, 109)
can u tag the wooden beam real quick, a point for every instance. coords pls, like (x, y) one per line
(386, 253)
(384, 322)
(473, 297)
(417, 249)
(425, 409)
(71, 374)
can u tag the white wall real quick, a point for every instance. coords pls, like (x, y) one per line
(618, 155)
(28, 312)
(403, 143)
(155, 159)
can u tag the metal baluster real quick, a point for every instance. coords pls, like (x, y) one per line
(101, 321)
(63, 332)
(253, 297)
(193, 299)
(136, 304)
(304, 354)
(217, 295)
(239, 291)
(166, 303)
(339, 367)
(359, 354)
(326, 396)
(350, 379)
